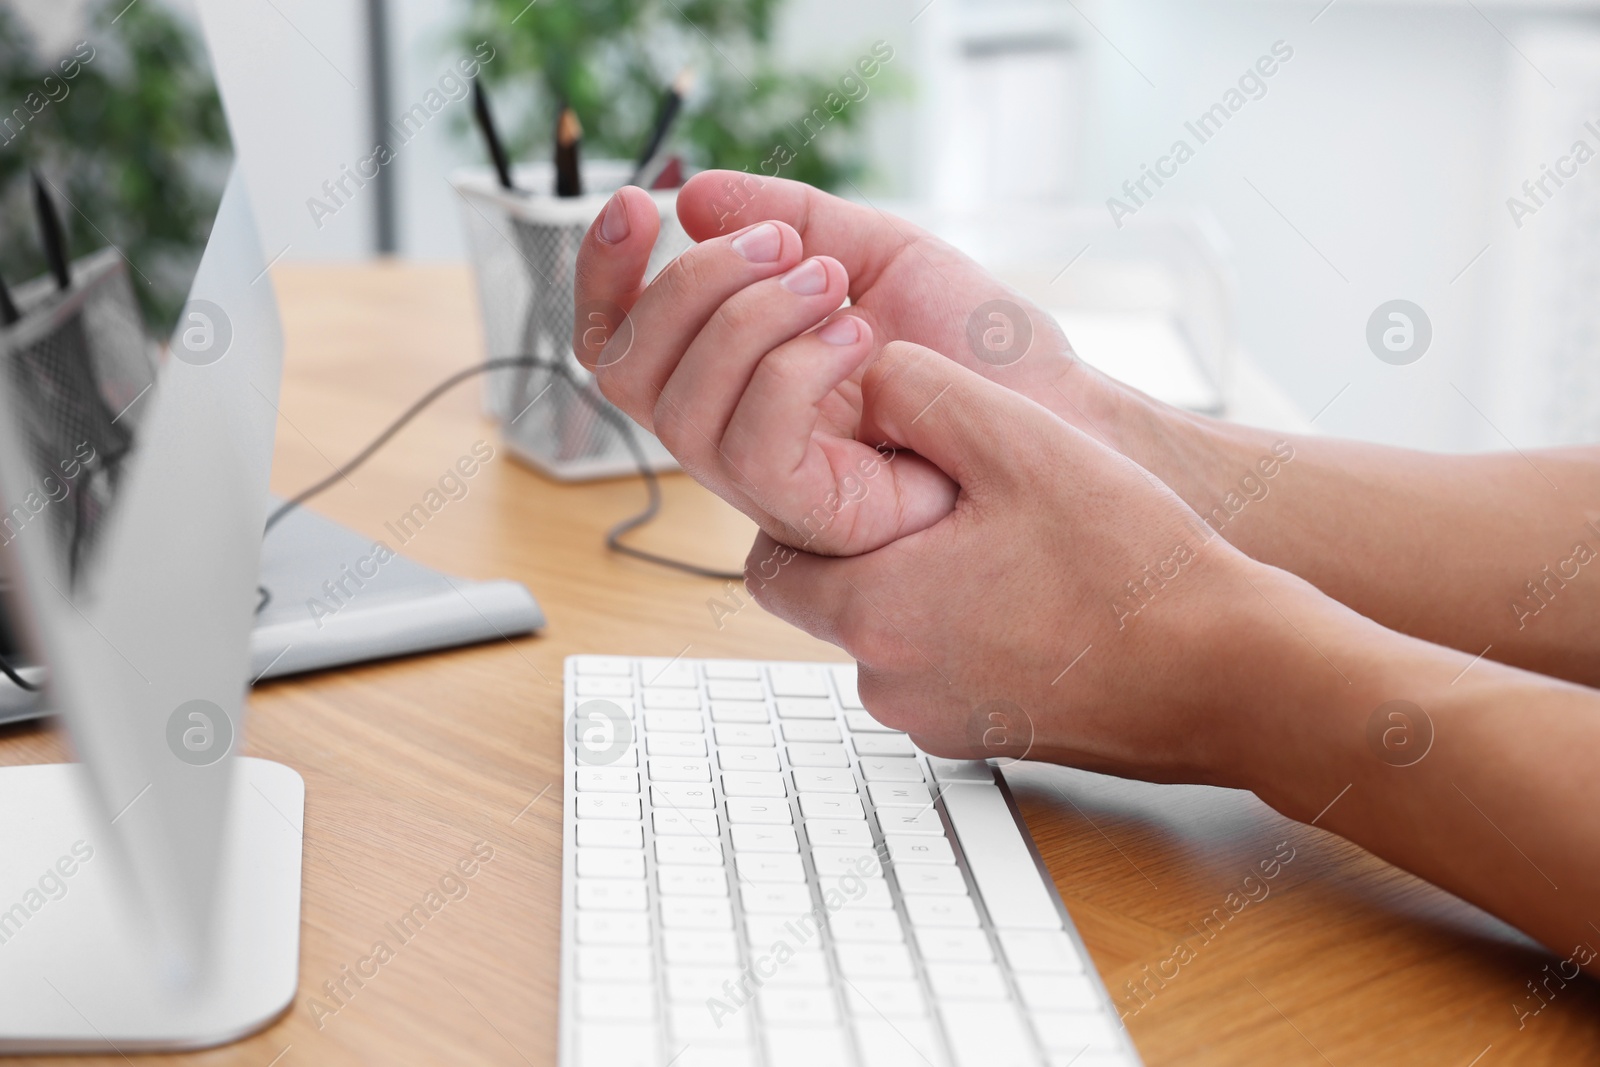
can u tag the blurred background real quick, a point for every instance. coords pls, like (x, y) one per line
(1395, 152)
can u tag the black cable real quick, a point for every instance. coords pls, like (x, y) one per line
(608, 414)
(16, 679)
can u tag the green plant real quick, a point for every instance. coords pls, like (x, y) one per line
(610, 59)
(134, 143)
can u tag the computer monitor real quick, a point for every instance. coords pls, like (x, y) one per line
(139, 365)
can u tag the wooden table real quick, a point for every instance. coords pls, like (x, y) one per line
(1339, 959)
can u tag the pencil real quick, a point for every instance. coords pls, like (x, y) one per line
(569, 135)
(491, 135)
(670, 105)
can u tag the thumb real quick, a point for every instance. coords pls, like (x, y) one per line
(969, 427)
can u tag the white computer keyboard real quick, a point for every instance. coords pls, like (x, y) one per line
(756, 872)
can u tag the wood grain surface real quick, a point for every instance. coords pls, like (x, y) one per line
(1338, 959)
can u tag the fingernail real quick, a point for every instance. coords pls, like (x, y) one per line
(760, 245)
(845, 330)
(808, 279)
(614, 223)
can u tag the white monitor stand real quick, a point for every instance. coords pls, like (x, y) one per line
(78, 974)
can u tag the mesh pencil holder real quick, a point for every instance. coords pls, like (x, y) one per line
(78, 363)
(524, 249)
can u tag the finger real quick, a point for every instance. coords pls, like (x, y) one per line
(716, 369)
(826, 493)
(974, 430)
(716, 202)
(612, 261)
(676, 306)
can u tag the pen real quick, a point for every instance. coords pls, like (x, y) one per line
(569, 135)
(51, 233)
(491, 135)
(670, 104)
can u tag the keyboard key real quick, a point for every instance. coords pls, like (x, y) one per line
(1040, 952)
(669, 674)
(967, 981)
(830, 806)
(905, 848)
(613, 928)
(810, 1006)
(734, 690)
(804, 708)
(807, 755)
(874, 961)
(822, 780)
(918, 879)
(944, 945)
(753, 784)
(676, 745)
(759, 838)
(988, 1035)
(606, 964)
(688, 852)
(776, 899)
(610, 863)
(960, 770)
(679, 770)
(1001, 865)
(618, 1045)
(856, 892)
(692, 984)
(797, 932)
(682, 795)
(897, 998)
(708, 1034)
(737, 669)
(743, 735)
(712, 947)
(816, 731)
(898, 1043)
(606, 806)
(883, 745)
(685, 823)
(1060, 992)
(891, 769)
(942, 911)
(603, 687)
(809, 1047)
(602, 833)
(900, 794)
(844, 685)
(767, 867)
(670, 700)
(835, 862)
(738, 711)
(674, 722)
(692, 882)
(757, 810)
(863, 722)
(602, 780)
(838, 832)
(696, 913)
(809, 969)
(611, 666)
(852, 925)
(1090, 1031)
(924, 820)
(616, 1001)
(746, 759)
(797, 680)
(607, 894)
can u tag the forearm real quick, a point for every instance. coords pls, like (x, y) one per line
(1484, 552)
(1483, 785)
